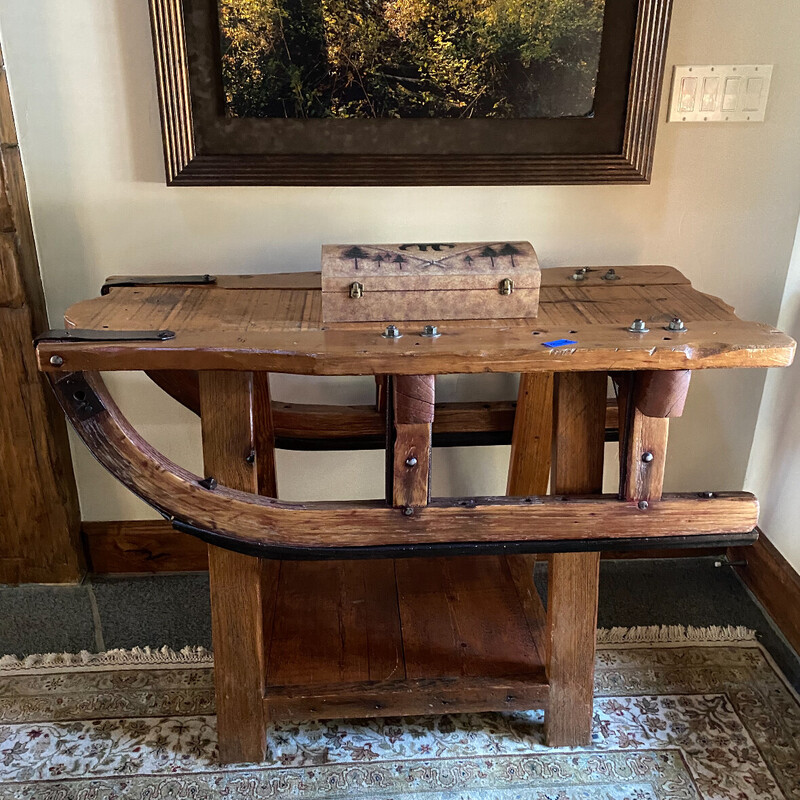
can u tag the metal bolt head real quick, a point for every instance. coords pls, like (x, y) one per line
(706, 495)
(578, 275)
(411, 461)
(676, 324)
(56, 361)
(430, 332)
(408, 511)
(209, 483)
(611, 275)
(392, 332)
(647, 457)
(250, 458)
(638, 326)
(643, 505)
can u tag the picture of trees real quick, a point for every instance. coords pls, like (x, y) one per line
(410, 58)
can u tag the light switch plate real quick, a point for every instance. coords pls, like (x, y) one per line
(719, 93)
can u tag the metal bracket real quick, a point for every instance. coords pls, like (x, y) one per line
(117, 282)
(73, 390)
(94, 335)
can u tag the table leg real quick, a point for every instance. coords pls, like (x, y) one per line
(578, 443)
(529, 473)
(239, 584)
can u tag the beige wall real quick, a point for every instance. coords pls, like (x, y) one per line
(722, 206)
(774, 469)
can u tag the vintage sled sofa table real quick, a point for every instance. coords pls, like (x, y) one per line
(410, 604)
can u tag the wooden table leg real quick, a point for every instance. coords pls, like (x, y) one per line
(529, 473)
(242, 587)
(578, 442)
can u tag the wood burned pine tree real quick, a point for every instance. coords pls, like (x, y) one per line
(511, 251)
(355, 253)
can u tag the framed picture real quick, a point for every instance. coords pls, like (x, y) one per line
(408, 92)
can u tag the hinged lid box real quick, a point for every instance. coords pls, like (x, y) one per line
(439, 281)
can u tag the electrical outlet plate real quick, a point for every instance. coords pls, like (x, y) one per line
(719, 93)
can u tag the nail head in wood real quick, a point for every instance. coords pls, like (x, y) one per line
(647, 457)
(56, 361)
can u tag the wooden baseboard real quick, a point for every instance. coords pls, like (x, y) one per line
(771, 578)
(126, 546)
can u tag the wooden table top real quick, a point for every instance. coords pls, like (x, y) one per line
(274, 323)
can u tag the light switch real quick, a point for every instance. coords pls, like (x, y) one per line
(752, 97)
(688, 91)
(730, 100)
(720, 93)
(710, 89)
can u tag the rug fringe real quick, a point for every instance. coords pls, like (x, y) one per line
(200, 656)
(136, 657)
(674, 634)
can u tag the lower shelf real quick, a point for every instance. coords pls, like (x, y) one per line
(412, 636)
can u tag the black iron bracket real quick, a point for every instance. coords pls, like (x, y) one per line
(74, 391)
(119, 281)
(102, 335)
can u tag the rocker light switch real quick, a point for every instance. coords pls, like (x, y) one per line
(720, 93)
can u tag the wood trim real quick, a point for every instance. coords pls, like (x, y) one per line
(187, 165)
(40, 517)
(154, 546)
(776, 585)
(455, 695)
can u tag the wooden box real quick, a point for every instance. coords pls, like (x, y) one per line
(429, 282)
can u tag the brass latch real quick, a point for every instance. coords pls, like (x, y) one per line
(506, 286)
(356, 290)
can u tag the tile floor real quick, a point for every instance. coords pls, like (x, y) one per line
(173, 610)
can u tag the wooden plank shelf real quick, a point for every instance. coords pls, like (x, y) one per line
(385, 637)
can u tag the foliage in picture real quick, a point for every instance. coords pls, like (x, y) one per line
(410, 58)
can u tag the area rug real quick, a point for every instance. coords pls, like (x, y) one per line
(697, 713)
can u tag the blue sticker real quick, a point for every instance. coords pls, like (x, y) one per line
(558, 343)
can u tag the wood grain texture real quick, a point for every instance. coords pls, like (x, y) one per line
(578, 443)
(263, 437)
(281, 330)
(463, 617)
(413, 398)
(39, 513)
(245, 518)
(462, 695)
(335, 623)
(152, 546)
(572, 627)
(643, 438)
(128, 546)
(662, 394)
(240, 588)
(188, 162)
(531, 443)
(529, 474)
(771, 578)
(300, 425)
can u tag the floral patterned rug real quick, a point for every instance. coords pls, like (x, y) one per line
(698, 713)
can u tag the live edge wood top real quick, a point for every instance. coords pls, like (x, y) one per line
(273, 323)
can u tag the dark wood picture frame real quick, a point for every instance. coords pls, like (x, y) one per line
(203, 146)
